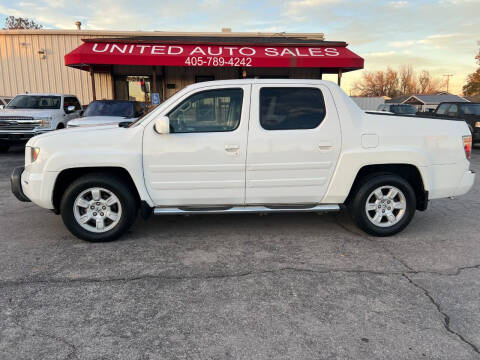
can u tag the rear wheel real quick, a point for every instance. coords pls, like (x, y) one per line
(98, 208)
(383, 205)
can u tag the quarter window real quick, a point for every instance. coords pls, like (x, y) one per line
(291, 108)
(208, 111)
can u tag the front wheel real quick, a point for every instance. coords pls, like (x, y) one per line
(98, 208)
(383, 205)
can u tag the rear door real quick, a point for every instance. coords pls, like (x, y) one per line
(293, 144)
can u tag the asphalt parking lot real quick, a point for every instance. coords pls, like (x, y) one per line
(302, 286)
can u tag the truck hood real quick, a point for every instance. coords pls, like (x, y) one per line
(98, 120)
(28, 112)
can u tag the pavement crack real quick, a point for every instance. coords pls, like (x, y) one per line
(194, 277)
(446, 318)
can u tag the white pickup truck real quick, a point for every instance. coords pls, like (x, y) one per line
(27, 115)
(242, 146)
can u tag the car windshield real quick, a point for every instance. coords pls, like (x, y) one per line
(403, 109)
(110, 108)
(35, 102)
(471, 109)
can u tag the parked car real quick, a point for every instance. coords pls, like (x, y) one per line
(243, 146)
(399, 109)
(466, 111)
(109, 112)
(4, 100)
(27, 115)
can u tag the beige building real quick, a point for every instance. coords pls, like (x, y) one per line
(135, 65)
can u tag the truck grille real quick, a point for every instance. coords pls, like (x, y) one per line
(18, 123)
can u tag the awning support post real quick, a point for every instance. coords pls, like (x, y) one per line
(154, 74)
(92, 76)
(339, 81)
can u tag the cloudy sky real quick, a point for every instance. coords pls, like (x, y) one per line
(436, 35)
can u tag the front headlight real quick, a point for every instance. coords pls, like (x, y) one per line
(34, 151)
(45, 122)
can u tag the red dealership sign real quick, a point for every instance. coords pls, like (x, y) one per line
(212, 55)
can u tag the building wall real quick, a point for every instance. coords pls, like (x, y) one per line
(33, 61)
(23, 69)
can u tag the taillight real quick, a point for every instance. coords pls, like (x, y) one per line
(467, 145)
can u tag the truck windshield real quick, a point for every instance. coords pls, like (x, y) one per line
(34, 102)
(110, 108)
(403, 109)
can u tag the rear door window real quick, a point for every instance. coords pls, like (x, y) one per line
(291, 108)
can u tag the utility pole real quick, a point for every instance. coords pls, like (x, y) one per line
(448, 79)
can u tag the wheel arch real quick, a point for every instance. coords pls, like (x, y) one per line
(409, 172)
(67, 176)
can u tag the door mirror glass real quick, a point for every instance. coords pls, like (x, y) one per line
(70, 109)
(162, 125)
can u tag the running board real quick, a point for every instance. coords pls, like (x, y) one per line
(244, 210)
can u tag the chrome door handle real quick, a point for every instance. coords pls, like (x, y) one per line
(232, 148)
(325, 147)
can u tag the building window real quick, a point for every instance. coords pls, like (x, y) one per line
(134, 88)
(291, 108)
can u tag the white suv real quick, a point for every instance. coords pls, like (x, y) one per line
(27, 115)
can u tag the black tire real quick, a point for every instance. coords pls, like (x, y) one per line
(60, 126)
(4, 148)
(122, 191)
(357, 206)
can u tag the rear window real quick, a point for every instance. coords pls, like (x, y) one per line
(470, 109)
(291, 108)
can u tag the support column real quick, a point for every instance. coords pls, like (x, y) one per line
(339, 82)
(164, 83)
(92, 76)
(112, 82)
(154, 84)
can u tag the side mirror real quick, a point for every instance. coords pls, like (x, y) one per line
(70, 109)
(2, 106)
(162, 125)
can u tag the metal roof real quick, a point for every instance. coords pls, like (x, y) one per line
(436, 99)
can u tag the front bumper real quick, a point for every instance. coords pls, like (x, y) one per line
(16, 184)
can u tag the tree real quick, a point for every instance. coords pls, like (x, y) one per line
(395, 83)
(472, 87)
(13, 22)
(378, 83)
(427, 84)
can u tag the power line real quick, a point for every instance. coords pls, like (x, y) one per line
(448, 80)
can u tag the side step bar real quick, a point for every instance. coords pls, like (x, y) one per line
(244, 210)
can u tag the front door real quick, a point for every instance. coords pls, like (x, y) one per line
(293, 144)
(202, 160)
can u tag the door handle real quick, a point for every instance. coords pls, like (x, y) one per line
(325, 147)
(232, 149)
